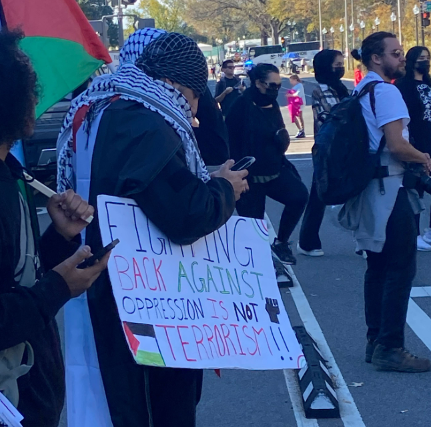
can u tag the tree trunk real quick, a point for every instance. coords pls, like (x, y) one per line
(275, 32)
(264, 37)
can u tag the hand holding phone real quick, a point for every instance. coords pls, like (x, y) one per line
(95, 257)
(244, 163)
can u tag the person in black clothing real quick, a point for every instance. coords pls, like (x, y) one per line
(30, 294)
(212, 133)
(229, 88)
(149, 154)
(415, 87)
(256, 128)
(329, 69)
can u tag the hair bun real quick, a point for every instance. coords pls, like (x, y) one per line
(356, 54)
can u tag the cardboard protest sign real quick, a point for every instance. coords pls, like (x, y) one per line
(213, 304)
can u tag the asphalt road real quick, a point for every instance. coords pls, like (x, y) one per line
(327, 299)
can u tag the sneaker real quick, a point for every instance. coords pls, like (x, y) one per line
(312, 253)
(422, 245)
(370, 348)
(398, 360)
(284, 252)
(301, 134)
(427, 236)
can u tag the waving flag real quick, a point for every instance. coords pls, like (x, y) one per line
(62, 45)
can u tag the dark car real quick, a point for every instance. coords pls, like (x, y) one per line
(40, 149)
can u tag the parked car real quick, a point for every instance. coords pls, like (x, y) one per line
(40, 148)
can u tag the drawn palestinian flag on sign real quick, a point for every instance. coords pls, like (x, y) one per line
(62, 45)
(143, 343)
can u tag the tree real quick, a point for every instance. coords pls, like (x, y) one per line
(231, 13)
(95, 9)
(168, 14)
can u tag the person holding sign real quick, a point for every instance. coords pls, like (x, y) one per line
(139, 143)
(29, 301)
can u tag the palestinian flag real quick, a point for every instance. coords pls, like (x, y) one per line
(143, 343)
(61, 43)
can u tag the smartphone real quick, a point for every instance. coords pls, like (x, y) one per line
(244, 163)
(95, 257)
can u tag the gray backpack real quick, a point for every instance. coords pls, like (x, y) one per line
(12, 365)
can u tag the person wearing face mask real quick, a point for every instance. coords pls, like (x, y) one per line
(256, 128)
(329, 69)
(382, 218)
(140, 144)
(415, 88)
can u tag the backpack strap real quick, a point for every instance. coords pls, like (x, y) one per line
(369, 88)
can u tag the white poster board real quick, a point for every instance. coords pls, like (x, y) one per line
(213, 304)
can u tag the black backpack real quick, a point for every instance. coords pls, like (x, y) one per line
(343, 166)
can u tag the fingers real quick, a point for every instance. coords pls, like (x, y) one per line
(99, 266)
(243, 173)
(81, 254)
(74, 206)
(228, 164)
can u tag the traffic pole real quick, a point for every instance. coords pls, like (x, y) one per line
(120, 24)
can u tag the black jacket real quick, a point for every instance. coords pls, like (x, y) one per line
(212, 134)
(28, 314)
(138, 155)
(252, 132)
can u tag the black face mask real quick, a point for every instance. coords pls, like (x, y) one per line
(262, 100)
(339, 72)
(423, 67)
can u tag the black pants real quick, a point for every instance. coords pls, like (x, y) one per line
(288, 189)
(138, 396)
(389, 277)
(313, 217)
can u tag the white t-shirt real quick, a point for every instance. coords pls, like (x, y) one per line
(301, 93)
(389, 107)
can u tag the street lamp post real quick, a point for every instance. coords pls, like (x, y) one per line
(399, 20)
(320, 25)
(351, 28)
(416, 11)
(377, 23)
(332, 35)
(346, 34)
(362, 26)
(342, 29)
(393, 20)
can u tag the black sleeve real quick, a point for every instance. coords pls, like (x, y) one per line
(54, 249)
(212, 134)
(236, 131)
(26, 311)
(219, 88)
(184, 207)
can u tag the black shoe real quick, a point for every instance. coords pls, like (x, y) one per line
(399, 360)
(370, 348)
(284, 252)
(301, 134)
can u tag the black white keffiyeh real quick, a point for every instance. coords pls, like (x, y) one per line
(130, 83)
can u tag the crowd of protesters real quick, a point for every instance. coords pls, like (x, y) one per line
(156, 96)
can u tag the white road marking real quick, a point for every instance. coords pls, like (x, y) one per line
(419, 322)
(421, 292)
(349, 413)
(299, 159)
(296, 401)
